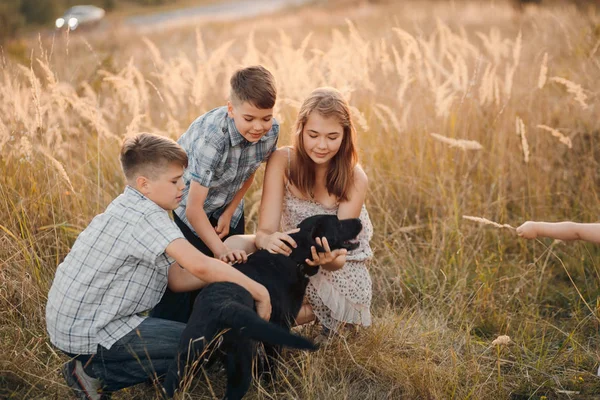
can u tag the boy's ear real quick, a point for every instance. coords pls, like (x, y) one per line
(230, 108)
(142, 184)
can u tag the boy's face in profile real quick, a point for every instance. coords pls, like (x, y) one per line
(252, 122)
(166, 189)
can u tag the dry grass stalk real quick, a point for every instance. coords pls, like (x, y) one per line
(59, 168)
(90, 115)
(486, 221)
(508, 80)
(4, 135)
(501, 340)
(460, 143)
(543, 72)
(390, 115)
(562, 138)
(573, 88)
(520, 128)
(517, 49)
(444, 97)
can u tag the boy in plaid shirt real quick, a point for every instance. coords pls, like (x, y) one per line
(225, 147)
(120, 266)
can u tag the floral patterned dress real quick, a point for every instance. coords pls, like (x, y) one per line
(342, 296)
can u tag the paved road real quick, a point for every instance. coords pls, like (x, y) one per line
(208, 13)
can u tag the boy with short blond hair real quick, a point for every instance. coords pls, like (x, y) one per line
(225, 147)
(119, 268)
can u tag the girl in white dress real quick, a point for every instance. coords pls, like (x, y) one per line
(319, 174)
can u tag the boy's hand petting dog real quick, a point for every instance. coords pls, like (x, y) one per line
(222, 228)
(280, 242)
(233, 256)
(321, 258)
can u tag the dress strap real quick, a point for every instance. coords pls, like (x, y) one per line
(289, 165)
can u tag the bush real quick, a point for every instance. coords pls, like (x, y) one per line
(40, 11)
(10, 20)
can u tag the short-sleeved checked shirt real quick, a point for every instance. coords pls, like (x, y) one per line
(116, 269)
(221, 159)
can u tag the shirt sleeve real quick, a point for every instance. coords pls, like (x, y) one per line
(153, 234)
(206, 153)
(273, 147)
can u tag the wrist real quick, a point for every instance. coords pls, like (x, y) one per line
(260, 293)
(223, 249)
(259, 240)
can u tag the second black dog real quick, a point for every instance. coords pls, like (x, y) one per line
(227, 306)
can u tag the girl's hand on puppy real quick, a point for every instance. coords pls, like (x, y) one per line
(280, 242)
(321, 258)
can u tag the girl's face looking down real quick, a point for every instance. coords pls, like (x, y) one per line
(322, 137)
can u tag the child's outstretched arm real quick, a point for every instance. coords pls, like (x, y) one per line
(207, 269)
(560, 230)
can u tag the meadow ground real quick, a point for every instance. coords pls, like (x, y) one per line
(462, 108)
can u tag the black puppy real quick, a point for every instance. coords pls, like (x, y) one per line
(227, 306)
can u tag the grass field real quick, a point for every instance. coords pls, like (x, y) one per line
(512, 98)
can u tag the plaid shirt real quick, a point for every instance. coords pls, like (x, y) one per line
(116, 269)
(221, 159)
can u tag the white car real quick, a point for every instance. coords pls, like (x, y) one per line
(80, 15)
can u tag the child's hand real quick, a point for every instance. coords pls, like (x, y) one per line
(233, 256)
(528, 230)
(223, 224)
(263, 307)
(280, 242)
(325, 257)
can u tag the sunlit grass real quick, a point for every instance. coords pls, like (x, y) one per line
(494, 85)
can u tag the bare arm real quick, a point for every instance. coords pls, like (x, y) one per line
(181, 280)
(271, 206)
(224, 222)
(208, 270)
(199, 220)
(561, 230)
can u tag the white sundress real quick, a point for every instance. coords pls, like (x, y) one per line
(342, 296)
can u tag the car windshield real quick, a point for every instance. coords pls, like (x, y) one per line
(76, 11)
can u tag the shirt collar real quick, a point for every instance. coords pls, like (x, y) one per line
(234, 135)
(131, 191)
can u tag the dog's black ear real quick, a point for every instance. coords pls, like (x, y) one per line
(317, 232)
(312, 228)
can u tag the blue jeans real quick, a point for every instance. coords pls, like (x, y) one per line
(143, 354)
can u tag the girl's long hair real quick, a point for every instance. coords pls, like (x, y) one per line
(328, 102)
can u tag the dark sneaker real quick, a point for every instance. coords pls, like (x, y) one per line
(84, 386)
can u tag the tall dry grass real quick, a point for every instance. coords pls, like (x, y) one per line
(444, 287)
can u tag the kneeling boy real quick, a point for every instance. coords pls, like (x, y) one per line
(119, 268)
